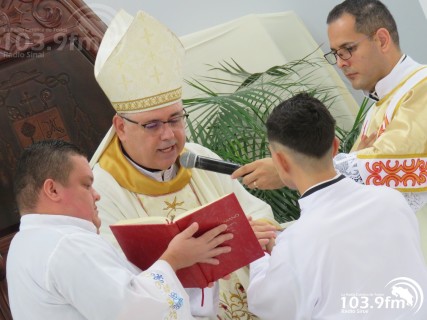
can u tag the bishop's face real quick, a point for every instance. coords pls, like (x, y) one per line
(150, 146)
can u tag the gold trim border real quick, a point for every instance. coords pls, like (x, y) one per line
(148, 102)
(392, 157)
(412, 190)
(401, 84)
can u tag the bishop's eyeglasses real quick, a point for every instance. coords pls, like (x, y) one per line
(344, 53)
(156, 126)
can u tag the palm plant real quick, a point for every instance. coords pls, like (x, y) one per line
(232, 123)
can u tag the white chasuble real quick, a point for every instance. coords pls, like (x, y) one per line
(126, 193)
(170, 205)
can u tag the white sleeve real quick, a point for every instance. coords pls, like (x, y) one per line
(264, 288)
(91, 276)
(347, 164)
(416, 200)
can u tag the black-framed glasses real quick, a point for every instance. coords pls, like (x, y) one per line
(156, 126)
(344, 53)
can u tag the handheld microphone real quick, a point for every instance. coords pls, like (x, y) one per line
(192, 160)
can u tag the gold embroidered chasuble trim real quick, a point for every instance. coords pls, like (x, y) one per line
(381, 116)
(404, 169)
(114, 162)
(392, 92)
(391, 156)
(376, 108)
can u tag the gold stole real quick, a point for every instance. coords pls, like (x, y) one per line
(115, 163)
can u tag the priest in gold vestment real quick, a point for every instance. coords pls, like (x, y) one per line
(397, 156)
(391, 149)
(136, 167)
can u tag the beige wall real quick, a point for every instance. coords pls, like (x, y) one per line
(188, 16)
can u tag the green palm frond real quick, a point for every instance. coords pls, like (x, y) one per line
(232, 123)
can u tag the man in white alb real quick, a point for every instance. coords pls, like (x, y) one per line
(342, 259)
(58, 267)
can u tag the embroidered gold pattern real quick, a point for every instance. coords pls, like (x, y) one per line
(148, 102)
(173, 207)
(234, 306)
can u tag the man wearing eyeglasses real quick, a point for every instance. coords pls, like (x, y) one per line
(136, 167)
(391, 149)
(365, 46)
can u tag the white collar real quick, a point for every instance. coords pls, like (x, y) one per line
(404, 67)
(160, 176)
(34, 220)
(319, 185)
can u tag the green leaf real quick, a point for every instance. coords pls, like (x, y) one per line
(233, 124)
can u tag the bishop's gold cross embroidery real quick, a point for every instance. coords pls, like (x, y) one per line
(173, 207)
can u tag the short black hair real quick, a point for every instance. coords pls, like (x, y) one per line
(302, 124)
(370, 15)
(46, 159)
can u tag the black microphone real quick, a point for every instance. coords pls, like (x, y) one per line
(192, 160)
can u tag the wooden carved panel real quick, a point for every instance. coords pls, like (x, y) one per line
(47, 91)
(47, 86)
(34, 24)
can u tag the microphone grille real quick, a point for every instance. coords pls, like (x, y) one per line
(188, 159)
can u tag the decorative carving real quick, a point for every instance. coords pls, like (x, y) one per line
(52, 14)
(41, 25)
(47, 90)
(37, 97)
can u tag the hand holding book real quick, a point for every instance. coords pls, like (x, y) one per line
(145, 240)
(184, 250)
(265, 233)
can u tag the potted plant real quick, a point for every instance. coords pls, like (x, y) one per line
(232, 124)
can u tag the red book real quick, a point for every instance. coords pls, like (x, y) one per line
(143, 241)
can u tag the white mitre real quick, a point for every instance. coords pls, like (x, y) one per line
(139, 66)
(139, 63)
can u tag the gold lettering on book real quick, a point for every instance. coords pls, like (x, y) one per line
(231, 218)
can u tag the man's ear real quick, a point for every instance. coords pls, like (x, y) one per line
(282, 160)
(335, 146)
(384, 39)
(119, 126)
(50, 189)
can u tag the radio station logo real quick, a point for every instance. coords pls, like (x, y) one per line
(404, 294)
